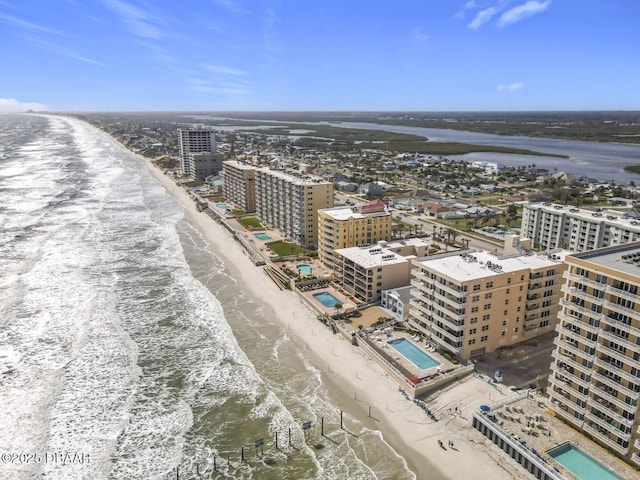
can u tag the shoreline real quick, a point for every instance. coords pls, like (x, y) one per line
(357, 384)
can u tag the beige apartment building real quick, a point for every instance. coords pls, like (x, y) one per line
(289, 201)
(365, 271)
(240, 185)
(345, 227)
(595, 372)
(470, 303)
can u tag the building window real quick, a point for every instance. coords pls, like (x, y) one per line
(506, 302)
(488, 295)
(486, 317)
(475, 320)
(476, 287)
(489, 284)
(504, 332)
(474, 309)
(475, 298)
(485, 328)
(487, 306)
(484, 338)
(472, 331)
(472, 341)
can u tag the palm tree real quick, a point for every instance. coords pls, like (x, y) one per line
(338, 307)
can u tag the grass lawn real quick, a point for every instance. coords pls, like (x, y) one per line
(249, 222)
(285, 249)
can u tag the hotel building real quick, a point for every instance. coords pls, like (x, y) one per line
(365, 271)
(551, 226)
(289, 202)
(471, 303)
(345, 227)
(194, 140)
(595, 372)
(240, 185)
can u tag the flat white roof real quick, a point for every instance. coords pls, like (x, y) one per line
(463, 267)
(371, 256)
(415, 242)
(345, 213)
(606, 216)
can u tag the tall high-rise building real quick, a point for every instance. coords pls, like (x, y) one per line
(194, 140)
(472, 303)
(240, 184)
(595, 372)
(552, 226)
(345, 227)
(289, 202)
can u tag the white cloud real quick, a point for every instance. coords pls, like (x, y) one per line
(482, 17)
(28, 25)
(13, 105)
(467, 6)
(139, 22)
(231, 5)
(514, 87)
(62, 50)
(418, 35)
(225, 70)
(526, 10)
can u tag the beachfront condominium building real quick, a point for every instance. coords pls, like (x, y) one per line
(289, 201)
(203, 165)
(345, 227)
(595, 372)
(470, 303)
(194, 140)
(365, 271)
(551, 226)
(240, 184)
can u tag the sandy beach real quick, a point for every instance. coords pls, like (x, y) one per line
(360, 386)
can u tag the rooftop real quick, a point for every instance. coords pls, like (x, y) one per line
(624, 258)
(371, 256)
(471, 265)
(346, 212)
(608, 216)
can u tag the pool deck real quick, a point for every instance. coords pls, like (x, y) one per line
(407, 364)
(545, 431)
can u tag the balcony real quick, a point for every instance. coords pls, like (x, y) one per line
(571, 320)
(613, 384)
(599, 362)
(577, 308)
(621, 293)
(571, 362)
(598, 435)
(620, 309)
(568, 333)
(570, 378)
(457, 325)
(445, 333)
(574, 350)
(572, 391)
(585, 281)
(580, 294)
(618, 324)
(609, 397)
(619, 340)
(607, 425)
(563, 401)
(454, 302)
(420, 306)
(612, 352)
(609, 410)
(456, 292)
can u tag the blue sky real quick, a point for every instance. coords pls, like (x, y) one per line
(320, 55)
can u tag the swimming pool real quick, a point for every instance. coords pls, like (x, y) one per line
(222, 206)
(306, 269)
(326, 299)
(262, 236)
(419, 358)
(583, 466)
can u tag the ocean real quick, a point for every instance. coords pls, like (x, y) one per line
(127, 350)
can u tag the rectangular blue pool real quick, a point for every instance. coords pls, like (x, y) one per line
(326, 299)
(419, 358)
(262, 236)
(583, 466)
